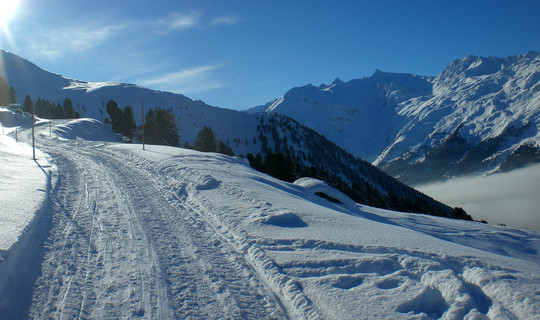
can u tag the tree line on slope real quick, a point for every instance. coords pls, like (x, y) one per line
(159, 124)
(296, 151)
(291, 150)
(161, 128)
(206, 141)
(7, 94)
(42, 108)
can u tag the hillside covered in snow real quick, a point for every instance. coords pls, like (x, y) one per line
(256, 136)
(171, 233)
(479, 115)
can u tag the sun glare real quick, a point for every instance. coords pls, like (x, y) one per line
(7, 11)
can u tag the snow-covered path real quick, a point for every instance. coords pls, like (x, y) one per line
(121, 246)
(170, 233)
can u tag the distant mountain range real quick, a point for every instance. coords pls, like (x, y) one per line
(479, 115)
(261, 137)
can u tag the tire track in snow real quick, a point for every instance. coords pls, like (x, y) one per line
(121, 248)
(236, 289)
(287, 292)
(291, 291)
(97, 260)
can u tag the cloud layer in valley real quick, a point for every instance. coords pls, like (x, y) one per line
(508, 198)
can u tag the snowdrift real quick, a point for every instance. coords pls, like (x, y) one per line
(321, 189)
(174, 233)
(21, 178)
(86, 129)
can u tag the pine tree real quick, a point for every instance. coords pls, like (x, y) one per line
(206, 140)
(160, 128)
(57, 111)
(28, 104)
(128, 126)
(224, 149)
(69, 111)
(115, 114)
(4, 92)
(12, 95)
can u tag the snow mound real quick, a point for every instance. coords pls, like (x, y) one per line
(86, 129)
(321, 189)
(207, 182)
(285, 220)
(10, 120)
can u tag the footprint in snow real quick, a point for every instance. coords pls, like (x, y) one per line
(348, 282)
(207, 183)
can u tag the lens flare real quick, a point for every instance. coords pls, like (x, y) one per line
(8, 8)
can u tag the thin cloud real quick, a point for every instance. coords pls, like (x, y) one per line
(68, 40)
(187, 81)
(63, 41)
(182, 76)
(179, 21)
(59, 42)
(224, 20)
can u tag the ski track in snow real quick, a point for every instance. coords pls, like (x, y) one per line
(122, 247)
(191, 236)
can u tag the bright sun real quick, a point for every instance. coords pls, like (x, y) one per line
(7, 10)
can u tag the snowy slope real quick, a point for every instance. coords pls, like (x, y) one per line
(174, 233)
(20, 178)
(479, 115)
(468, 119)
(358, 115)
(244, 132)
(89, 99)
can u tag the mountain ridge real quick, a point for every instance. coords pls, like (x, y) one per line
(396, 120)
(260, 135)
(408, 125)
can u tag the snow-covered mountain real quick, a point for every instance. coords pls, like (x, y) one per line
(89, 99)
(245, 133)
(479, 115)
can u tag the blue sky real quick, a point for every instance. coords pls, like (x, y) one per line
(239, 54)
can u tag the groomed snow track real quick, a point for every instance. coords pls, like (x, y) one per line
(122, 245)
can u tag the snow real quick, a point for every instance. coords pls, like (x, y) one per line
(174, 233)
(86, 129)
(317, 186)
(21, 178)
(390, 116)
(90, 86)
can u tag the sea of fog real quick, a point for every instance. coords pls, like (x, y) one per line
(510, 198)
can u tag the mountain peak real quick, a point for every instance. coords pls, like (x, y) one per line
(531, 54)
(378, 72)
(338, 81)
